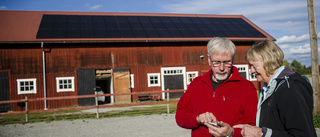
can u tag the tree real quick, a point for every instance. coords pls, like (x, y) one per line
(297, 67)
(307, 70)
(287, 64)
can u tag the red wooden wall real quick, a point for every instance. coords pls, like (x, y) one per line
(63, 59)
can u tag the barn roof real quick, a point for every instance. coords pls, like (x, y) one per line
(47, 26)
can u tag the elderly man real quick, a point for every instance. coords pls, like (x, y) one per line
(220, 96)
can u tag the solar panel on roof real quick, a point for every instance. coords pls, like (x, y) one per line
(87, 26)
(74, 18)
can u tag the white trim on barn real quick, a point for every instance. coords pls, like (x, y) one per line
(153, 79)
(243, 68)
(172, 71)
(27, 86)
(191, 75)
(65, 84)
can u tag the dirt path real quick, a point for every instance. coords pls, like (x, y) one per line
(163, 125)
(140, 126)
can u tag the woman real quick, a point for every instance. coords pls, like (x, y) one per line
(286, 103)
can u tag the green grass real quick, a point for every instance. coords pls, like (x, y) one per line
(77, 114)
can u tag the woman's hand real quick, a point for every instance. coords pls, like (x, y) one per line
(249, 131)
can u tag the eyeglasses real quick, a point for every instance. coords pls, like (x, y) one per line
(254, 67)
(218, 63)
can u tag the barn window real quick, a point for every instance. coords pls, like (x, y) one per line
(243, 71)
(65, 84)
(252, 76)
(191, 75)
(27, 86)
(153, 79)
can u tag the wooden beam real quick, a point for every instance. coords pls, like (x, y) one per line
(314, 56)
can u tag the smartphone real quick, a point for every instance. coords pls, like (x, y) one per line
(215, 124)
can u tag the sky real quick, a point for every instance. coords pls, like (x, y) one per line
(285, 20)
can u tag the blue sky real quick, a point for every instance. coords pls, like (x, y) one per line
(285, 20)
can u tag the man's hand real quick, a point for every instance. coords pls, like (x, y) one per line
(206, 117)
(222, 130)
(249, 131)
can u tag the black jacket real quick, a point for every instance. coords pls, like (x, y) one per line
(288, 111)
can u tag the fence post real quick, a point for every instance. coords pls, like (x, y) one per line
(97, 105)
(27, 114)
(168, 105)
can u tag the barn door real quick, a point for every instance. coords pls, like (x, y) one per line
(4, 91)
(86, 85)
(173, 79)
(121, 80)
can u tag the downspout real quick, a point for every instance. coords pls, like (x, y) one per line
(44, 77)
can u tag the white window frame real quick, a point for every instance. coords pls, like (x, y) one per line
(252, 76)
(173, 71)
(132, 80)
(155, 84)
(65, 78)
(188, 78)
(34, 91)
(243, 68)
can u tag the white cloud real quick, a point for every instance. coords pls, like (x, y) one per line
(286, 20)
(3, 8)
(96, 7)
(278, 18)
(283, 47)
(293, 39)
(306, 49)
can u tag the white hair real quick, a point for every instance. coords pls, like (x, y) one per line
(221, 45)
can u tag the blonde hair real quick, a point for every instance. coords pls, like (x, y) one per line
(268, 52)
(221, 45)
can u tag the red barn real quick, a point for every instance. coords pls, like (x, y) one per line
(51, 54)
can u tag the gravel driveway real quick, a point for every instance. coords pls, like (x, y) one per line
(163, 125)
(139, 126)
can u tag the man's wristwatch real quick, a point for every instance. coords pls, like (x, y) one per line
(231, 134)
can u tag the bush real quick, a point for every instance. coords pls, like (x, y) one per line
(316, 121)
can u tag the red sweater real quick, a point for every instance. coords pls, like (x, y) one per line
(235, 102)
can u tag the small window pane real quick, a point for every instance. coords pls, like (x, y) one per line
(153, 79)
(191, 76)
(65, 84)
(26, 86)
